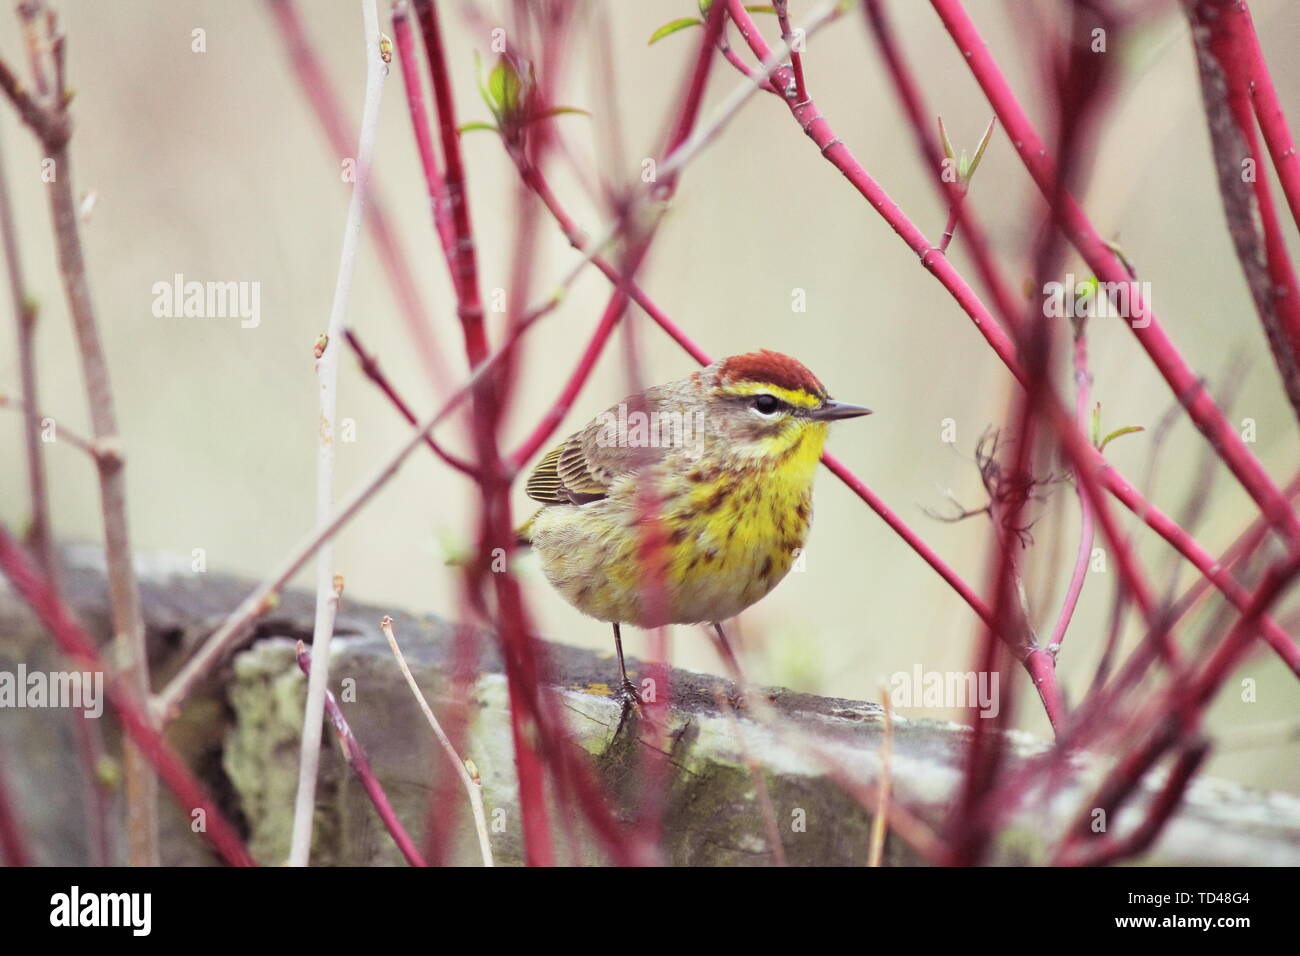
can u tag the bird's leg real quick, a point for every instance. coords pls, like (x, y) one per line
(627, 692)
(729, 658)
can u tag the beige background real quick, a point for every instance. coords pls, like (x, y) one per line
(212, 166)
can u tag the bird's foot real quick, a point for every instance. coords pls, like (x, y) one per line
(630, 700)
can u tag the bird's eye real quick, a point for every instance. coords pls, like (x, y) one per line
(766, 404)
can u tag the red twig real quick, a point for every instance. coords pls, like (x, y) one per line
(1082, 386)
(464, 261)
(1246, 544)
(370, 366)
(554, 414)
(967, 837)
(815, 126)
(800, 88)
(433, 180)
(1178, 712)
(356, 758)
(699, 78)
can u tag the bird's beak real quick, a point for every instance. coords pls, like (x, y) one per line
(830, 410)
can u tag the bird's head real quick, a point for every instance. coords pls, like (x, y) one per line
(767, 404)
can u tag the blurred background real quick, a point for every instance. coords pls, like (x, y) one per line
(212, 165)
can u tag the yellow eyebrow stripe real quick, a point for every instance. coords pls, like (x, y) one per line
(798, 397)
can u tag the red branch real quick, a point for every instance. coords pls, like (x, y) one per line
(370, 367)
(433, 181)
(464, 261)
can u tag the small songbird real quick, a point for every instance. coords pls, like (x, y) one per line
(687, 503)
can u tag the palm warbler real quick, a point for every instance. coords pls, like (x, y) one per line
(687, 503)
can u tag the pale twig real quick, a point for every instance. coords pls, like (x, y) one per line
(880, 823)
(328, 587)
(473, 786)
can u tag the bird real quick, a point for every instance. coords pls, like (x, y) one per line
(686, 503)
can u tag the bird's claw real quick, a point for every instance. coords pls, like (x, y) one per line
(630, 700)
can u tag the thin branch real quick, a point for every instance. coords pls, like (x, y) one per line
(1268, 108)
(370, 367)
(1082, 558)
(52, 126)
(1113, 850)
(800, 89)
(434, 184)
(328, 587)
(471, 783)
(463, 263)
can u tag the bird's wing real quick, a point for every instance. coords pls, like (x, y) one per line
(566, 476)
(583, 468)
